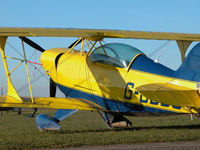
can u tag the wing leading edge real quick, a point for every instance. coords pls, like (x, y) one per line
(88, 33)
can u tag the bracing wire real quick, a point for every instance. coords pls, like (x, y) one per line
(162, 52)
(33, 66)
(12, 47)
(158, 49)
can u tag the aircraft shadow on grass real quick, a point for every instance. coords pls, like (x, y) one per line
(131, 129)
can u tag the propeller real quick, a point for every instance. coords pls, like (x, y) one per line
(52, 88)
(70, 46)
(52, 84)
(32, 44)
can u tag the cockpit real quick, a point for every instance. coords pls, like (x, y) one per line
(114, 54)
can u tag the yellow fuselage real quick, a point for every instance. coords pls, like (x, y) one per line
(76, 76)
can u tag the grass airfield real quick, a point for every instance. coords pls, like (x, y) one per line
(88, 128)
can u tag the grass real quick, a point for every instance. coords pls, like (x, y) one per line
(86, 128)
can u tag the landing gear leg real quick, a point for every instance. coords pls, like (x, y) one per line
(115, 120)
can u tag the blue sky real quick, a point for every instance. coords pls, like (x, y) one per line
(153, 15)
(141, 15)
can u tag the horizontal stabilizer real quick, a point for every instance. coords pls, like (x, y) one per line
(171, 94)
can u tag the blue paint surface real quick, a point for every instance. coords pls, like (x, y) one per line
(45, 122)
(190, 70)
(61, 114)
(143, 63)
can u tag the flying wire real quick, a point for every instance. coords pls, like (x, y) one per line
(162, 52)
(158, 49)
(33, 80)
(34, 66)
(12, 47)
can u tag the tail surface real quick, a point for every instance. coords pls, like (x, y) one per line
(190, 69)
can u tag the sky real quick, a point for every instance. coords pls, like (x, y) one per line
(140, 15)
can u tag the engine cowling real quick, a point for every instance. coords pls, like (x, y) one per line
(49, 60)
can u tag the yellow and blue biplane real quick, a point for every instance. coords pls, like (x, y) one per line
(114, 79)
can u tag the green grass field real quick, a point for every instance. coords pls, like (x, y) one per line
(88, 128)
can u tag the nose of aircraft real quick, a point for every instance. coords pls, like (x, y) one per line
(49, 60)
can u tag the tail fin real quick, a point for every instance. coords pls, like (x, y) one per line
(190, 69)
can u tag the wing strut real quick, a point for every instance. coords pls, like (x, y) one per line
(183, 46)
(11, 90)
(27, 72)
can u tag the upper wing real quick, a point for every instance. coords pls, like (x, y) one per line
(88, 33)
(171, 94)
(50, 102)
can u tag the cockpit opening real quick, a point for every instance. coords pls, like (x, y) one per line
(114, 54)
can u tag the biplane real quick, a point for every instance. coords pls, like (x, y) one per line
(115, 79)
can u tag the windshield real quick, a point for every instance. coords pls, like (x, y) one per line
(115, 54)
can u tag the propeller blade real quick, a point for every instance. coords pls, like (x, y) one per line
(32, 44)
(74, 43)
(52, 88)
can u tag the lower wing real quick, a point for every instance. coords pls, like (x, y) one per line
(50, 102)
(171, 94)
